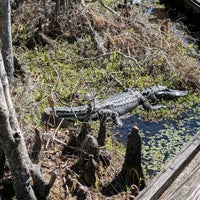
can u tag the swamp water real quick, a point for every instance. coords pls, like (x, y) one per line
(162, 140)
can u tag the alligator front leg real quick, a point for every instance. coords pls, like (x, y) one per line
(147, 106)
(110, 114)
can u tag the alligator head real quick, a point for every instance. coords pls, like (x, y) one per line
(162, 92)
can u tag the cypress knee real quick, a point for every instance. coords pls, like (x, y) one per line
(132, 168)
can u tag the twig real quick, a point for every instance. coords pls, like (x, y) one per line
(117, 81)
(54, 135)
(52, 113)
(96, 37)
(65, 144)
(108, 8)
(131, 58)
(111, 53)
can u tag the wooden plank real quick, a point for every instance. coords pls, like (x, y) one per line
(186, 182)
(195, 194)
(163, 180)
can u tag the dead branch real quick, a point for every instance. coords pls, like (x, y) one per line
(111, 53)
(46, 40)
(54, 135)
(53, 113)
(96, 37)
(108, 8)
(117, 81)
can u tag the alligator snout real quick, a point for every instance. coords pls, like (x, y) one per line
(171, 93)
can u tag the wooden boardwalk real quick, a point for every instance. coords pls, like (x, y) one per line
(193, 5)
(180, 179)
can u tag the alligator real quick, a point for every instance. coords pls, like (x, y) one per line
(118, 104)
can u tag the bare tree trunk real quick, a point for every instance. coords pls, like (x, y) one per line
(13, 144)
(28, 182)
(6, 37)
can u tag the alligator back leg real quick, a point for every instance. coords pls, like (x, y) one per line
(147, 106)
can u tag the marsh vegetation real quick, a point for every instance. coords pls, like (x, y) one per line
(68, 52)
